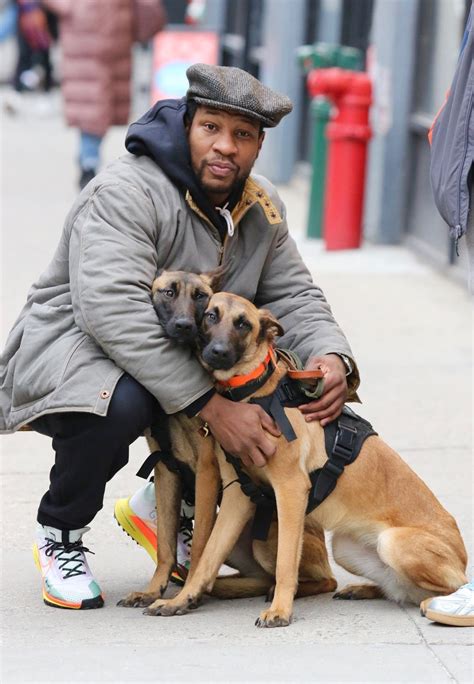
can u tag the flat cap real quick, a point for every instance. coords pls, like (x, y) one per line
(236, 90)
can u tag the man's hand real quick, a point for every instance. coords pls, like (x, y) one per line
(240, 429)
(329, 406)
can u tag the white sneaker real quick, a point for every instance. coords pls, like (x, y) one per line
(455, 609)
(136, 515)
(67, 579)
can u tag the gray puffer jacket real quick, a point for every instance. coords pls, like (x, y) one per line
(89, 318)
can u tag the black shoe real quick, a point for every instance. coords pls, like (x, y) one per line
(86, 176)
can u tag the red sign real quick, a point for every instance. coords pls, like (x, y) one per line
(173, 53)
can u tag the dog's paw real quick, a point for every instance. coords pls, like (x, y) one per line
(166, 608)
(273, 618)
(358, 592)
(138, 599)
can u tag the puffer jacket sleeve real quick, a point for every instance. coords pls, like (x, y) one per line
(113, 261)
(287, 289)
(60, 7)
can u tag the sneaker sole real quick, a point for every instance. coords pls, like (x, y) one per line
(54, 602)
(452, 620)
(135, 528)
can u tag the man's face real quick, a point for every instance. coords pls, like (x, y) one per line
(224, 147)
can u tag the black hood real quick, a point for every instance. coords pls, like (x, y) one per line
(161, 135)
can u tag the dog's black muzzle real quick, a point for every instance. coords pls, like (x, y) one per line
(219, 356)
(183, 330)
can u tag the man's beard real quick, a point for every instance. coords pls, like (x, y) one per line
(216, 188)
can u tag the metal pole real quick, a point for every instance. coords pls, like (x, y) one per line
(392, 65)
(282, 33)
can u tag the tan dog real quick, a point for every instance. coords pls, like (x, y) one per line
(387, 525)
(180, 299)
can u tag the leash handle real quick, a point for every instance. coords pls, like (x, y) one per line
(306, 375)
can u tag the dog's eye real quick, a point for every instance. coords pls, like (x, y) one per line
(168, 293)
(211, 316)
(200, 295)
(243, 324)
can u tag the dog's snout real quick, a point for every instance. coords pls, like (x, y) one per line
(219, 351)
(184, 325)
(219, 355)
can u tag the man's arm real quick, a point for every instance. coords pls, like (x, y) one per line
(286, 287)
(113, 261)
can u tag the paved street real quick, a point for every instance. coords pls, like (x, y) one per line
(411, 332)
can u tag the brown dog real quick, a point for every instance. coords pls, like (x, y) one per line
(180, 299)
(387, 525)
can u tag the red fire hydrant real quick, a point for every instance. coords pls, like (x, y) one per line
(348, 135)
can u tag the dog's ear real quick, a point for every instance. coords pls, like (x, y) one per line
(154, 285)
(215, 278)
(269, 326)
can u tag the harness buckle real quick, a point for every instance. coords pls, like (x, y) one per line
(334, 468)
(344, 442)
(288, 391)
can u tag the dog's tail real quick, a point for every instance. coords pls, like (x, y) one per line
(235, 586)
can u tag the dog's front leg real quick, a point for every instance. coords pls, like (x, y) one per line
(236, 509)
(291, 494)
(168, 502)
(208, 482)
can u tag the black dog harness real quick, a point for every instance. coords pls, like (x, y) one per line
(160, 431)
(343, 439)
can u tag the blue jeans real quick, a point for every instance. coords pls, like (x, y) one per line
(89, 151)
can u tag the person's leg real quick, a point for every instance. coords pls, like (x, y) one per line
(89, 156)
(24, 61)
(89, 450)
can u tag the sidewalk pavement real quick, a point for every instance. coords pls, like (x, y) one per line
(411, 332)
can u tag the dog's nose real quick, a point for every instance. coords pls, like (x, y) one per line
(183, 325)
(219, 352)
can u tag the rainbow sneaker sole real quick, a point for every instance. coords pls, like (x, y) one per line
(144, 535)
(55, 601)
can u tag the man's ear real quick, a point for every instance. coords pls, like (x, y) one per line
(270, 328)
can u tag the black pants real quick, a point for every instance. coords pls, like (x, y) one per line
(89, 450)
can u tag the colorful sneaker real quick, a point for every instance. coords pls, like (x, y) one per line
(67, 579)
(456, 609)
(136, 515)
(185, 539)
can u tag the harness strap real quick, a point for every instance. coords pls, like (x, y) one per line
(289, 393)
(263, 497)
(161, 433)
(273, 406)
(344, 438)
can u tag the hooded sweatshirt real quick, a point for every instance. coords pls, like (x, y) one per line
(161, 135)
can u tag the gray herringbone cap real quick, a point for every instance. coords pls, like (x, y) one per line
(236, 90)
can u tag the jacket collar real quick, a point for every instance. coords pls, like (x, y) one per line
(253, 193)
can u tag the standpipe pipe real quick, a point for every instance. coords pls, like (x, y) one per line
(348, 135)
